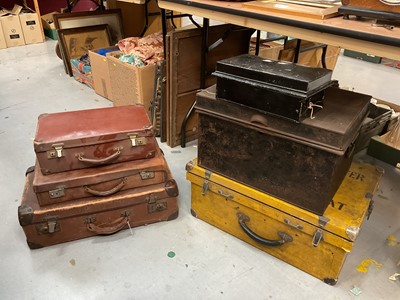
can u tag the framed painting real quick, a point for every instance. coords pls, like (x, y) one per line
(111, 17)
(75, 42)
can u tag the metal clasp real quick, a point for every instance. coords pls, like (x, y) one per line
(57, 193)
(206, 187)
(146, 175)
(136, 140)
(57, 152)
(317, 237)
(50, 226)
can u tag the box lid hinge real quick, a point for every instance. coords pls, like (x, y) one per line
(322, 221)
(206, 187)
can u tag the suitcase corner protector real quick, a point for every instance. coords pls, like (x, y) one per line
(173, 216)
(330, 281)
(34, 246)
(193, 212)
(171, 187)
(25, 215)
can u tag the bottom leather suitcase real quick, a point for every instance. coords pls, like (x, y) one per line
(315, 244)
(58, 223)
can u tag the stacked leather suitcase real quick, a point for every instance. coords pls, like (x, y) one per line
(275, 151)
(97, 171)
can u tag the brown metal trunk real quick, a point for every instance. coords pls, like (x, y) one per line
(295, 165)
(89, 138)
(59, 223)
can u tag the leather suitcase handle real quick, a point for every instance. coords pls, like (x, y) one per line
(242, 219)
(101, 161)
(113, 227)
(115, 189)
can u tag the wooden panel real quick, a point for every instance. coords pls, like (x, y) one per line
(184, 64)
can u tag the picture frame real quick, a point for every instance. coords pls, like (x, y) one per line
(75, 42)
(111, 17)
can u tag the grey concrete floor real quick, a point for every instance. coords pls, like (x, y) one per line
(209, 264)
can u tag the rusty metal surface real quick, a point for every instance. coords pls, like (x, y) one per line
(334, 127)
(300, 174)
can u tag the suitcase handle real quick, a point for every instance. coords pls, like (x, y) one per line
(110, 228)
(99, 161)
(242, 219)
(259, 119)
(115, 189)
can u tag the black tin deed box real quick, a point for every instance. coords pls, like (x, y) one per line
(281, 88)
(301, 163)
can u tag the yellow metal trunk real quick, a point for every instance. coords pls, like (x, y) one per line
(315, 244)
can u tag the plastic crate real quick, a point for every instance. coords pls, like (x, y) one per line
(374, 124)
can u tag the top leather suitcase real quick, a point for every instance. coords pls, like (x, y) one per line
(87, 138)
(281, 88)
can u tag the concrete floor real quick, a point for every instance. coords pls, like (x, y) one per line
(209, 264)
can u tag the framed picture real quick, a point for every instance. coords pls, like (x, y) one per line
(75, 42)
(111, 17)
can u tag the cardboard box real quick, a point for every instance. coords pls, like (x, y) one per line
(12, 26)
(2, 38)
(312, 57)
(31, 26)
(49, 27)
(130, 84)
(101, 74)
(268, 50)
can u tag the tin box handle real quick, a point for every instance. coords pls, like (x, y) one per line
(259, 119)
(101, 161)
(112, 191)
(242, 219)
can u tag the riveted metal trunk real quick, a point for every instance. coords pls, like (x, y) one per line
(301, 163)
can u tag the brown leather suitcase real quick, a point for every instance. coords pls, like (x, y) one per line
(101, 181)
(301, 163)
(87, 138)
(58, 223)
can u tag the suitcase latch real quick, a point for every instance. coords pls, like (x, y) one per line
(57, 193)
(136, 140)
(49, 227)
(151, 198)
(155, 207)
(57, 152)
(206, 186)
(317, 237)
(146, 175)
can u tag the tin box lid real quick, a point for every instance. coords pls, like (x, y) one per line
(91, 126)
(275, 73)
(334, 127)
